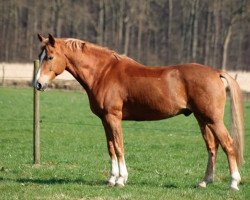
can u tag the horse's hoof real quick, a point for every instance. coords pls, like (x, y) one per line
(234, 188)
(202, 184)
(120, 185)
(111, 184)
(234, 185)
(120, 182)
(112, 181)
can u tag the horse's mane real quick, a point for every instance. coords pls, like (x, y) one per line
(74, 44)
(80, 45)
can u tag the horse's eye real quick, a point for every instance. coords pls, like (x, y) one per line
(50, 57)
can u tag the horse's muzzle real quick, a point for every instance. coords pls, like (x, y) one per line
(40, 86)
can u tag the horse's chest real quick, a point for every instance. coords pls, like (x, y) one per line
(95, 105)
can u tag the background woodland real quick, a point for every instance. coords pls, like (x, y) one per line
(154, 32)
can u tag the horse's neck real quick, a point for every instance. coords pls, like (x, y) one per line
(85, 68)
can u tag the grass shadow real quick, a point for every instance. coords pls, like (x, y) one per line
(55, 181)
(168, 185)
(171, 186)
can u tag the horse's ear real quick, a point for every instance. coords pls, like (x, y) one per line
(40, 37)
(51, 40)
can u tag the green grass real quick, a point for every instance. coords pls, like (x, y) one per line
(165, 159)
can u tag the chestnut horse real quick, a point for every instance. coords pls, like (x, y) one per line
(119, 89)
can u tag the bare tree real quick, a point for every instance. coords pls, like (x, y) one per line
(228, 36)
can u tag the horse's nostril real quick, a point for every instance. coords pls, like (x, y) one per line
(38, 86)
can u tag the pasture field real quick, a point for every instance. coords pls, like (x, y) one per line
(165, 159)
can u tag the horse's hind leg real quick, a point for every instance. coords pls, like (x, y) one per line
(220, 132)
(212, 145)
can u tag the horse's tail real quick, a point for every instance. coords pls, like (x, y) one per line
(237, 116)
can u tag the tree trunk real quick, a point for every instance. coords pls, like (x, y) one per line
(217, 8)
(121, 25)
(127, 38)
(207, 39)
(56, 11)
(225, 48)
(227, 41)
(7, 37)
(101, 23)
(139, 36)
(195, 8)
(170, 15)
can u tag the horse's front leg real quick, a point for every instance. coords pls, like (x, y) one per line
(113, 129)
(114, 171)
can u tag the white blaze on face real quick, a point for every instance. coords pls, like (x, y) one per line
(39, 69)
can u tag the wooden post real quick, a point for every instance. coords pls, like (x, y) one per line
(36, 121)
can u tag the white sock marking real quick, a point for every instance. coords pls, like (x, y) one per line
(123, 168)
(114, 168)
(235, 180)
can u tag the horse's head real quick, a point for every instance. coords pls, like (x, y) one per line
(52, 62)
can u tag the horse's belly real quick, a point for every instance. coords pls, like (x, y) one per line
(145, 113)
